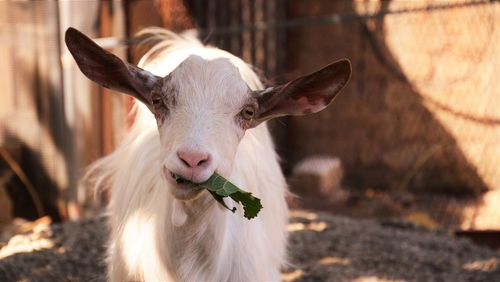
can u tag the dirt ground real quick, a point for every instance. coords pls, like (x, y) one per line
(322, 248)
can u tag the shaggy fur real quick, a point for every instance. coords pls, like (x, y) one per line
(202, 111)
(156, 237)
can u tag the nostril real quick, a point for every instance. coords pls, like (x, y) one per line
(185, 162)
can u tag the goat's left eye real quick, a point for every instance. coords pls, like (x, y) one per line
(248, 112)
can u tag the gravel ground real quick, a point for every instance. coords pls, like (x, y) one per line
(322, 248)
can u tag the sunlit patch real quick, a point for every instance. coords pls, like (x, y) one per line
(314, 226)
(482, 265)
(138, 243)
(334, 261)
(304, 214)
(373, 279)
(422, 219)
(18, 244)
(292, 276)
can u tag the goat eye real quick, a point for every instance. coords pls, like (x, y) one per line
(248, 112)
(156, 100)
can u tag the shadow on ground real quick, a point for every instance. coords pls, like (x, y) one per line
(322, 248)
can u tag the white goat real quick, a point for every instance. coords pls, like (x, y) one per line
(203, 110)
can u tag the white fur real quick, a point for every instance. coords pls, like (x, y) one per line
(154, 236)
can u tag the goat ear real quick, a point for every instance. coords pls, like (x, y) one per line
(107, 69)
(304, 95)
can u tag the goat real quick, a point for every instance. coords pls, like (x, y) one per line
(203, 110)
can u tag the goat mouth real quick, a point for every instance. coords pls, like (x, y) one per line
(178, 179)
(182, 189)
(184, 184)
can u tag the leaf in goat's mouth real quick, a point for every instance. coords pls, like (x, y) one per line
(220, 188)
(179, 180)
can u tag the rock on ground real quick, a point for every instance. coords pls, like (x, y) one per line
(322, 248)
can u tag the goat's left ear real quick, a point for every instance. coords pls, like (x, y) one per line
(304, 95)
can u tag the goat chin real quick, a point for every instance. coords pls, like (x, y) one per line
(155, 237)
(179, 215)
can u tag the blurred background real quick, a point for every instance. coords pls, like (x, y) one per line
(414, 136)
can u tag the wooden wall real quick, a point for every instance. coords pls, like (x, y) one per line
(48, 108)
(32, 115)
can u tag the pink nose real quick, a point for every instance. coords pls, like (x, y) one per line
(194, 159)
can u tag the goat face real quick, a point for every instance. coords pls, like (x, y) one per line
(203, 107)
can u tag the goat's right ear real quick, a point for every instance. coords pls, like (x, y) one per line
(107, 69)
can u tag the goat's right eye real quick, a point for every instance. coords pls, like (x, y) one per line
(156, 101)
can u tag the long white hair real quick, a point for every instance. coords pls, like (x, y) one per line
(155, 237)
(202, 111)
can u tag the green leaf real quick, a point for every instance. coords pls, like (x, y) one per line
(220, 188)
(220, 185)
(179, 179)
(251, 204)
(219, 199)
